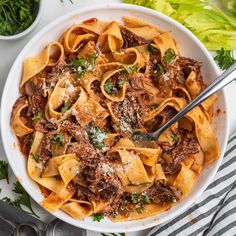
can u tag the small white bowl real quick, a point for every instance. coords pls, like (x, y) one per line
(29, 29)
(190, 47)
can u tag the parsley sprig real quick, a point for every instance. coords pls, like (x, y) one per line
(15, 16)
(140, 201)
(131, 68)
(57, 138)
(224, 58)
(174, 137)
(4, 170)
(152, 49)
(37, 117)
(81, 65)
(97, 136)
(35, 157)
(22, 200)
(169, 56)
(65, 107)
(98, 216)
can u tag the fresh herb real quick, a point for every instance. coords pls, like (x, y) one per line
(98, 216)
(160, 70)
(65, 107)
(81, 66)
(15, 16)
(174, 137)
(4, 170)
(121, 82)
(153, 49)
(35, 157)
(154, 106)
(37, 117)
(129, 69)
(224, 58)
(113, 234)
(108, 86)
(167, 152)
(140, 201)
(58, 138)
(22, 200)
(97, 136)
(169, 56)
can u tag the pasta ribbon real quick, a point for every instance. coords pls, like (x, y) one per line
(50, 56)
(17, 124)
(111, 39)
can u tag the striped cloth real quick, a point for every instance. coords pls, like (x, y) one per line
(214, 214)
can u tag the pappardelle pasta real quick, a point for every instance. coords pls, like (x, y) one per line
(85, 100)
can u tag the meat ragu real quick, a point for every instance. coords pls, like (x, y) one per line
(80, 115)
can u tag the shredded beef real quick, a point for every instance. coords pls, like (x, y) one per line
(188, 65)
(44, 149)
(56, 73)
(85, 194)
(43, 126)
(25, 143)
(37, 105)
(162, 194)
(74, 130)
(186, 145)
(131, 39)
(107, 184)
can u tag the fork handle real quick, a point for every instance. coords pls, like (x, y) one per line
(228, 76)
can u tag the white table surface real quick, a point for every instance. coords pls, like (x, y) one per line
(10, 49)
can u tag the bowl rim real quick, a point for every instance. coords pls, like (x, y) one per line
(119, 6)
(28, 30)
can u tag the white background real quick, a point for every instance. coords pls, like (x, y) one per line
(10, 49)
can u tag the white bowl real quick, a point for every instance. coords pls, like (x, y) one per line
(29, 29)
(190, 47)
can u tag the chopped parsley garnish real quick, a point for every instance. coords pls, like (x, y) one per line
(15, 16)
(160, 70)
(58, 138)
(65, 107)
(174, 137)
(152, 49)
(121, 82)
(22, 200)
(167, 152)
(130, 69)
(98, 216)
(154, 106)
(224, 58)
(169, 56)
(81, 66)
(37, 117)
(97, 136)
(4, 170)
(140, 201)
(35, 157)
(108, 86)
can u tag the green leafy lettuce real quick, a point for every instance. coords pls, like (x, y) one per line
(212, 26)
